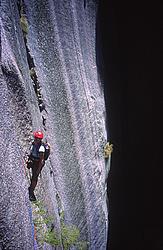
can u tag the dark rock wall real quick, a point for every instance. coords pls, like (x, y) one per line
(132, 54)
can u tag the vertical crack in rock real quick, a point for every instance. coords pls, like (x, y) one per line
(32, 69)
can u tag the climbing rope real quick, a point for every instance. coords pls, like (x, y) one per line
(28, 175)
(33, 229)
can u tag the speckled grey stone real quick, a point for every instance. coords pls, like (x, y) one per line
(62, 42)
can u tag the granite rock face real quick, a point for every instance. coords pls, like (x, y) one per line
(61, 47)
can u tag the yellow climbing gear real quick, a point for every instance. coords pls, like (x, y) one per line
(108, 149)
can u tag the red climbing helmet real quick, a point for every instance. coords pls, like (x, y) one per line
(38, 134)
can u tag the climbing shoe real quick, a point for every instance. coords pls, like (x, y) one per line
(32, 197)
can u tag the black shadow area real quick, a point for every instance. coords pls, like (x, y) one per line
(131, 46)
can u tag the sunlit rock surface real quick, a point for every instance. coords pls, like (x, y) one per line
(62, 42)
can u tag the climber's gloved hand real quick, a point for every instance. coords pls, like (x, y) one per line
(29, 163)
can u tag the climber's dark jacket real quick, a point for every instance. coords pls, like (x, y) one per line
(35, 162)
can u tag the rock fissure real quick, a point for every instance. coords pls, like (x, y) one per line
(30, 60)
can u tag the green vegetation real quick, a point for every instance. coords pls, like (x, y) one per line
(67, 237)
(52, 238)
(24, 24)
(82, 245)
(23, 18)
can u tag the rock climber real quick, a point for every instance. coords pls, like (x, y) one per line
(35, 161)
